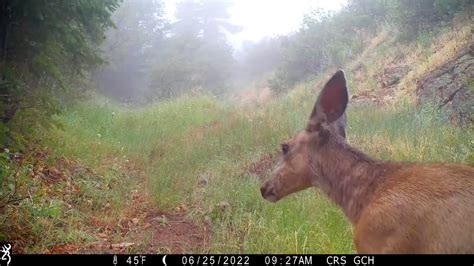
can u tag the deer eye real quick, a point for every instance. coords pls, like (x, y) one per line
(285, 148)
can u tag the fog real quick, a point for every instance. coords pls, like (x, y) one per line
(265, 18)
(164, 49)
(144, 126)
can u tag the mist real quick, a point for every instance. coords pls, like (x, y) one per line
(174, 127)
(164, 49)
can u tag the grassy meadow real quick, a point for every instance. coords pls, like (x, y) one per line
(164, 152)
(175, 144)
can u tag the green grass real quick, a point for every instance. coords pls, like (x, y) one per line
(165, 148)
(176, 142)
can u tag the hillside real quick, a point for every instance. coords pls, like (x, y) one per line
(183, 175)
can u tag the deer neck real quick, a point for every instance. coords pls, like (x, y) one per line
(347, 176)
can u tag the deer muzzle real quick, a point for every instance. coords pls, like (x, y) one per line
(268, 191)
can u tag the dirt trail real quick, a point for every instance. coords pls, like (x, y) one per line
(146, 229)
(136, 226)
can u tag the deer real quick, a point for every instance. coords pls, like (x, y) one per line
(394, 207)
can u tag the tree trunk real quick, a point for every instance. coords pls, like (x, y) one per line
(4, 17)
(8, 107)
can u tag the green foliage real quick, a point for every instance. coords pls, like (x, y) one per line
(4, 170)
(177, 141)
(196, 55)
(130, 50)
(45, 48)
(258, 60)
(152, 58)
(413, 17)
(46, 32)
(329, 40)
(450, 6)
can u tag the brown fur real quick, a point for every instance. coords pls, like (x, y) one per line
(395, 207)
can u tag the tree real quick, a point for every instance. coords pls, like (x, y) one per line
(330, 39)
(130, 48)
(195, 55)
(259, 60)
(325, 39)
(413, 17)
(45, 45)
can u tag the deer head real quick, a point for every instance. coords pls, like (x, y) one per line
(295, 170)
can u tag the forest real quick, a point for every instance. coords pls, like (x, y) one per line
(129, 128)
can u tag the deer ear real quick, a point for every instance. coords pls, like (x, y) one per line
(332, 100)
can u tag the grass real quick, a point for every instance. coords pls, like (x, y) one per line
(176, 143)
(424, 58)
(163, 150)
(428, 52)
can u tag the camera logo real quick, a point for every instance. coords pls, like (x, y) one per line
(5, 252)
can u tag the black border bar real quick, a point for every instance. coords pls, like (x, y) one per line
(242, 259)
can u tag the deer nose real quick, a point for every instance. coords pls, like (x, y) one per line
(263, 189)
(268, 192)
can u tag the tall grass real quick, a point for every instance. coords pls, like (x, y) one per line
(179, 142)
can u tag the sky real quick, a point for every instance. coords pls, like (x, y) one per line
(267, 18)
